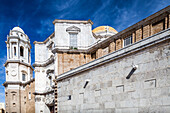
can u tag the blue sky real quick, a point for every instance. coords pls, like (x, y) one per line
(35, 17)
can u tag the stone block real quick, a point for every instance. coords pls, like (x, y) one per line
(144, 102)
(166, 100)
(129, 87)
(127, 110)
(150, 83)
(143, 109)
(97, 92)
(166, 109)
(120, 89)
(109, 105)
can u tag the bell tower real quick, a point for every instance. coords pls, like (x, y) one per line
(18, 70)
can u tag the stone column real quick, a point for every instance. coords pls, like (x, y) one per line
(10, 49)
(7, 51)
(166, 22)
(133, 37)
(112, 47)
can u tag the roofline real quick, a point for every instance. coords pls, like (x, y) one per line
(73, 21)
(45, 41)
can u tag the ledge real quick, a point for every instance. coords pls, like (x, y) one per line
(47, 62)
(18, 61)
(43, 93)
(18, 82)
(147, 42)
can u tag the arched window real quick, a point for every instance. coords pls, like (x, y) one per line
(22, 51)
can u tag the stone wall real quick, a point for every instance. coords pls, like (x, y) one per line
(105, 88)
(30, 102)
(69, 61)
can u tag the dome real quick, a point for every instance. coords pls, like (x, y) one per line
(18, 29)
(104, 29)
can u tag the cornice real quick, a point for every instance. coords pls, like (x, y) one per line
(18, 61)
(73, 21)
(43, 93)
(16, 37)
(47, 62)
(18, 82)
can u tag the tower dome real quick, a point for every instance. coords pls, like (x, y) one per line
(104, 31)
(18, 29)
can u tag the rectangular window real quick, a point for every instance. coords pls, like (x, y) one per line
(22, 51)
(73, 40)
(23, 77)
(128, 41)
(15, 53)
(29, 96)
(50, 81)
(13, 97)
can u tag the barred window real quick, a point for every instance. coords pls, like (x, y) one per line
(128, 41)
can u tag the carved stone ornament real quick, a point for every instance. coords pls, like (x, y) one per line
(13, 73)
(73, 29)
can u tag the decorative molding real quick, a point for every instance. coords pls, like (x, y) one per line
(73, 29)
(18, 83)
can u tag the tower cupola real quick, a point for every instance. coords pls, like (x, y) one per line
(18, 46)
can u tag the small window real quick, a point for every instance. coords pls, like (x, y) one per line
(13, 96)
(22, 51)
(14, 104)
(23, 77)
(69, 97)
(15, 53)
(128, 41)
(51, 81)
(29, 95)
(73, 39)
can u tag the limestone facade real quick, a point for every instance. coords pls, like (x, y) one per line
(101, 86)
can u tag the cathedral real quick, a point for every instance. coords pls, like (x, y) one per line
(80, 70)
